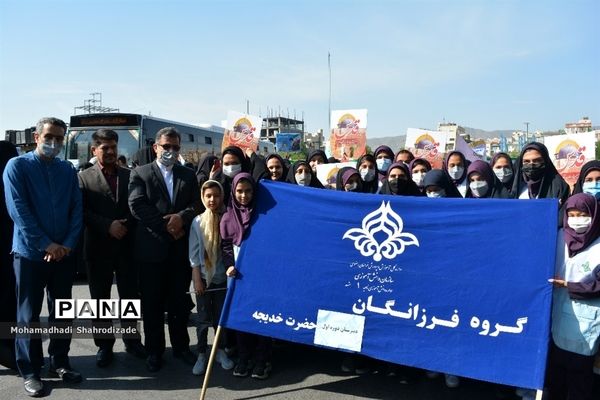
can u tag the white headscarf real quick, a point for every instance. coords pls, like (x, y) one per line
(211, 236)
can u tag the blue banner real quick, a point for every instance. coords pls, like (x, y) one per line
(449, 285)
(288, 142)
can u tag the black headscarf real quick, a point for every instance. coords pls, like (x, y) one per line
(236, 151)
(205, 165)
(437, 177)
(465, 164)
(508, 184)
(291, 176)
(284, 168)
(414, 163)
(316, 152)
(8, 311)
(495, 188)
(342, 177)
(411, 156)
(388, 151)
(7, 151)
(368, 187)
(549, 185)
(223, 179)
(593, 165)
(405, 187)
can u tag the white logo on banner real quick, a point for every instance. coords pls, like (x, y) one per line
(385, 220)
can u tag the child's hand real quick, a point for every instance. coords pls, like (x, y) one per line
(231, 271)
(199, 286)
(558, 282)
(197, 279)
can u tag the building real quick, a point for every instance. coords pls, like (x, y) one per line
(314, 141)
(583, 125)
(452, 130)
(20, 137)
(274, 125)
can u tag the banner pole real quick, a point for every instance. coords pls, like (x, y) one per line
(538, 394)
(211, 358)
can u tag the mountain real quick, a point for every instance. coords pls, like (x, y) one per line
(397, 142)
(481, 134)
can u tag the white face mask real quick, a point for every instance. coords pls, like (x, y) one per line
(503, 174)
(232, 170)
(383, 164)
(579, 224)
(478, 188)
(455, 172)
(168, 158)
(350, 187)
(50, 148)
(418, 178)
(302, 179)
(367, 174)
(435, 195)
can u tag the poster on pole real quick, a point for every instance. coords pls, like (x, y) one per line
(430, 145)
(348, 140)
(327, 173)
(461, 145)
(288, 142)
(570, 152)
(242, 130)
(479, 148)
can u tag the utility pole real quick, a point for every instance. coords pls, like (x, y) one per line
(94, 105)
(329, 110)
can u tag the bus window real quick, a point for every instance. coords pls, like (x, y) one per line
(79, 143)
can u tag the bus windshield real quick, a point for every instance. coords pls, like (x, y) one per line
(79, 143)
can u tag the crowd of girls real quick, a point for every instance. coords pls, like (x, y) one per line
(228, 193)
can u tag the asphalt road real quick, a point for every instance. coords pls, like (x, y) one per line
(299, 372)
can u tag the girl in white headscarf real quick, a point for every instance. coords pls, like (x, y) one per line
(208, 272)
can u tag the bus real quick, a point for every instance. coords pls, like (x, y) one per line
(135, 132)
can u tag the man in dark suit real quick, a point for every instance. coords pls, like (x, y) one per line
(108, 237)
(164, 199)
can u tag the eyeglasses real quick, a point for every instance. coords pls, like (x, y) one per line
(169, 147)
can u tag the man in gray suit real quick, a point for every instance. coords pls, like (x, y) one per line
(108, 237)
(164, 199)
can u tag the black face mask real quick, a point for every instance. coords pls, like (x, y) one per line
(396, 185)
(534, 171)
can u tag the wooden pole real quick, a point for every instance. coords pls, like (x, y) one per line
(213, 352)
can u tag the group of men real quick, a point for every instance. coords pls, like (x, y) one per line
(135, 225)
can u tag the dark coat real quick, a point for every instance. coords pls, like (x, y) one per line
(149, 202)
(100, 209)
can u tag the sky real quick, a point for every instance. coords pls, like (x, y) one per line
(482, 64)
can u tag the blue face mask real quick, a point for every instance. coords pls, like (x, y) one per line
(592, 188)
(383, 164)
